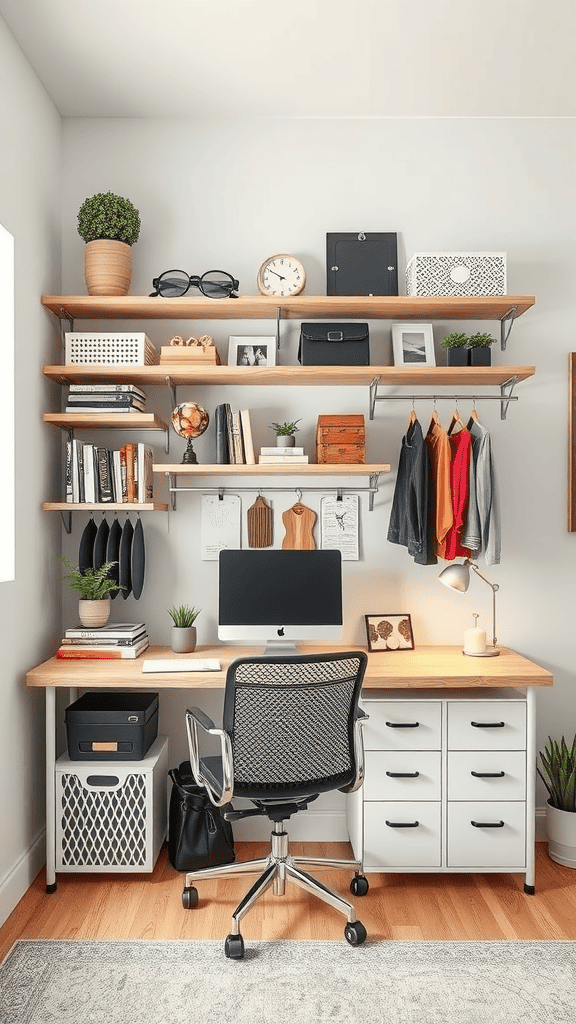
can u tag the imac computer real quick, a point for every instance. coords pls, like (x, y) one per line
(279, 597)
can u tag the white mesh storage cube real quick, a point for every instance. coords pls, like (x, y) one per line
(456, 273)
(111, 816)
(121, 348)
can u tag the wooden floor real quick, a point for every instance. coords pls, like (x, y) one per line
(400, 907)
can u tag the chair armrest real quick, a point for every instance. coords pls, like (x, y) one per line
(195, 719)
(359, 721)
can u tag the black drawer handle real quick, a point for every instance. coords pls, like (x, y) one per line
(402, 725)
(404, 824)
(488, 775)
(402, 775)
(487, 824)
(488, 725)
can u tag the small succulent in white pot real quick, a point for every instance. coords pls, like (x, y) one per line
(183, 629)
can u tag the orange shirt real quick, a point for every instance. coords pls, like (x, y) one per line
(438, 444)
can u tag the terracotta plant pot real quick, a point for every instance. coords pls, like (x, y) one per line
(93, 614)
(107, 267)
(183, 639)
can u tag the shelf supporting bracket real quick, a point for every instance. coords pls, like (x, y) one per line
(373, 393)
(278, 311)
(374, 477)
(173, 488)
(506, 326)
(506, 396)
(66, 324)
(66, 518)
(172, 389)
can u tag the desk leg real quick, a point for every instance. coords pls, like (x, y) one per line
(530, 879)
(50, 789)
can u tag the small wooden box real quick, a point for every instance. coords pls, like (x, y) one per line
(341, 439)
(191, 354)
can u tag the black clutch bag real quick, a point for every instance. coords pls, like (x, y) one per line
(334, 344)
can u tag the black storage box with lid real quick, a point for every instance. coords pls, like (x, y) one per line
(111, 726)
(334, 344)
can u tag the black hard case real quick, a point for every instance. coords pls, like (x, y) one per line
(334, 344)
(126, 720)
(361, 264)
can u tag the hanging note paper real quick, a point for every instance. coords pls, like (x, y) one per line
(220, 524)
(339, 525)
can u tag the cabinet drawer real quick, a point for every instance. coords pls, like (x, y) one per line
(487, 775)
(402, 775)
(498, 839)
(402, 842)
(403, 725)
(487, 725)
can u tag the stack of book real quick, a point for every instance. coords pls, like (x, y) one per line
(113, 641)
(108, 398)
(280, 456)
(97, 475)
(234, 445)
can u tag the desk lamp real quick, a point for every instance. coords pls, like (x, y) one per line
(457, 577)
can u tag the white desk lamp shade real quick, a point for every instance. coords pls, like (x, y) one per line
(457, 577)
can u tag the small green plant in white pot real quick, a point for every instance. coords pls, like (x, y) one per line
(285, 433)
(94, 587)
(183, 630)
(557, 769)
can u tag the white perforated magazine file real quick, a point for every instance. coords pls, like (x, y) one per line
(456, 274)
(105, 349)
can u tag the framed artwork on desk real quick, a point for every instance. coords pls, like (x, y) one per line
(389, 633)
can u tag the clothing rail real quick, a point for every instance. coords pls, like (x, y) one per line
(338, 491)
(505, 397)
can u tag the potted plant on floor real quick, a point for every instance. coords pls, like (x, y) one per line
(456, 346)
(480, 352)
(285, 433)
(109, 225)
(183, 631)
(94, 587)
(557, 769)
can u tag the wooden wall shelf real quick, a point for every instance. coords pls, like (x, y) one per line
(309, 469)
(105, 421)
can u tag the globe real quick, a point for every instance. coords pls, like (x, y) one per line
(190, 420)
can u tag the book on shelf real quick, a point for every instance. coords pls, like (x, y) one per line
(221, 435)
(281, 451)
(106, 389)
(238, 446)
(144, 474)
(119, 480)
(104, 642)
(105, 488)
(68, 471)
(112, 630)
(89, 479)
(248, 444)
(130, 455)
(108, 409)
(105, 403)
(272, 460)
(105, 653)
(229, 435)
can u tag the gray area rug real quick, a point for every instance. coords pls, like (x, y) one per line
(140, 982)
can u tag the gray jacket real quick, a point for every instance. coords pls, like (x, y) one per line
(482, 532)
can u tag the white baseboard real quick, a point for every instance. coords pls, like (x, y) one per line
(21, 875)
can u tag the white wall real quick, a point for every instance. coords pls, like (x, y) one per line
(30, 148)
(226, 195)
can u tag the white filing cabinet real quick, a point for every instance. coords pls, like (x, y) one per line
(448, 784)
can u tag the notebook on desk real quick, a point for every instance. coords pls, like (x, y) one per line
(181, 665)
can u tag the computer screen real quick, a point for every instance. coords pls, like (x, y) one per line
(279, 597)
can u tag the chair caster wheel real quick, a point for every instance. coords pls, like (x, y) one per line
(189, 897)
(234, 947)
(359, 885)
(355, 933)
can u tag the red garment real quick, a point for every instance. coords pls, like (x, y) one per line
(460, 447)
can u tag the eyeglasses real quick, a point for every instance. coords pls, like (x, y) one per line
(214, 284)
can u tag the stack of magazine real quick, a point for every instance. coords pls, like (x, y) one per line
(108, 398)
(115, 640)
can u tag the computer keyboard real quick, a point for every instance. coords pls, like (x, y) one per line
(181, 665)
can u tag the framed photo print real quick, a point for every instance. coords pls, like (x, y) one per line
(389, 633)
(246, 351)
(413, 344)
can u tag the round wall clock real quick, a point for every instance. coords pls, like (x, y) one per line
(281, 275)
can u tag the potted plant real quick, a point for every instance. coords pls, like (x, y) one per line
(479, 345)
(456, 346)
(109, 225)
(183, 631)
(557, 769)
(285, 433)
(94, 587)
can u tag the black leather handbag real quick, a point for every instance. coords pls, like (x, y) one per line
(198, 834)
(334, 344)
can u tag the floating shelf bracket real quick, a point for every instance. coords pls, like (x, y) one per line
(506, 326)
(373, 395)
(66, 518)
(506, 395)
(278, 311)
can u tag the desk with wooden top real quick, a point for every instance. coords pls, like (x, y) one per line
(426, 668)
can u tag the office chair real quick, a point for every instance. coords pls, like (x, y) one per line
(292, 729)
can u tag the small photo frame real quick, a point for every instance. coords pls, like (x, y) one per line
(246, 351)
(389, 633)
(413, 345)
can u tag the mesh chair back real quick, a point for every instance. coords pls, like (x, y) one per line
(291, 722)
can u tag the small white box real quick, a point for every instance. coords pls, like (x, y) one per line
(111, 816)
(89, 348)
(456, 273)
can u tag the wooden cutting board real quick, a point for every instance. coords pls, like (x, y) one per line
(299, 525)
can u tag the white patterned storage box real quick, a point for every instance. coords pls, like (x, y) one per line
(91, 347)
(456, 273)
(111, 816)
